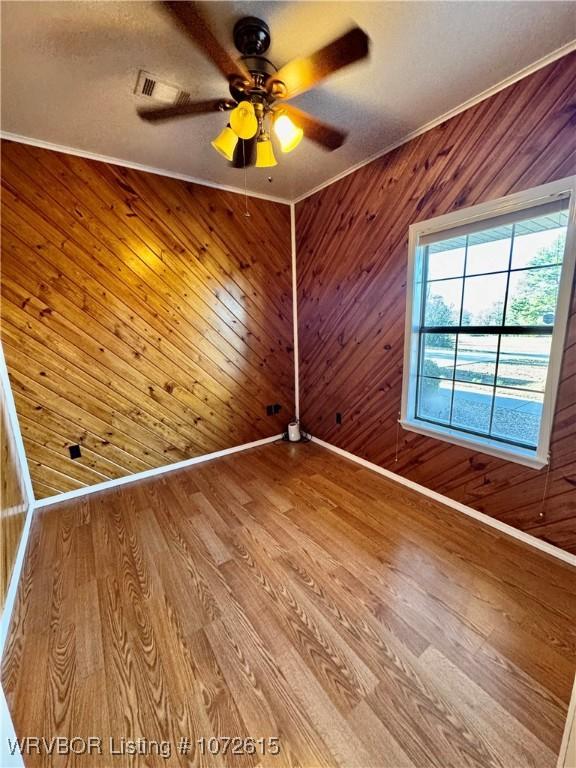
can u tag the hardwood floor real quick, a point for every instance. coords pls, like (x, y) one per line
(286, 592)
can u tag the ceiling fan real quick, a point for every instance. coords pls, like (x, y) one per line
(259, 92)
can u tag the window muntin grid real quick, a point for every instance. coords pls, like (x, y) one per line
(500, 394)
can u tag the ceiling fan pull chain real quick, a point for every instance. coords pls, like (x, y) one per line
(542, 512)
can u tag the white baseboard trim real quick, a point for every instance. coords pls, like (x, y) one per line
(526, 538)
(569, 737)
(15, 579)
(151, 472)
(19, 561)
(13, 425)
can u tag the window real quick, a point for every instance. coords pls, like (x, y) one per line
(490, 289)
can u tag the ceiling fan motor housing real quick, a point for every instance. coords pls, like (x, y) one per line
(253, 78)
(251, 36)
(252, 39)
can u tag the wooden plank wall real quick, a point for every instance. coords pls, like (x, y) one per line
(13, 502)
(143, 318)
(352, 245)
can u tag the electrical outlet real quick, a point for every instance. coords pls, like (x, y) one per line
(338, 418)
(270, 410)
(277, 408)
(74, 451)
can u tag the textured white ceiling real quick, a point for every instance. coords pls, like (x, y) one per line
(69, 69)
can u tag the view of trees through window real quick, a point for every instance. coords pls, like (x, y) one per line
(502, 285)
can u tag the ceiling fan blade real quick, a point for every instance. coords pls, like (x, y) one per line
(314, 129)
(158, 114)
(244, 154)
(191, 21)
(300, 75)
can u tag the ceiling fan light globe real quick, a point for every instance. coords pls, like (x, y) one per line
(288, 134)
(225, 143)
(265, 153)
(243, 120)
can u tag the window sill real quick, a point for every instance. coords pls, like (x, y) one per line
(518, 456)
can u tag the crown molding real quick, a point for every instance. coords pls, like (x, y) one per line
(135, 166)
(500, 86)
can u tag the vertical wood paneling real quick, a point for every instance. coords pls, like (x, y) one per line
(146, 319)
(13, 504)
(352, 244)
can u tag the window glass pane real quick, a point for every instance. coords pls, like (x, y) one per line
(523, 361)
(472, 407)
(489, 251)
(443, 301)
(488, 383)
(476, 358)
(532, 296)
(517, 416)
(484, 299)
(434, 399)
(540, 241)
(446, 259)
(438, 350)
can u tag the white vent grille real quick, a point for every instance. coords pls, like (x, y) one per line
(151, 87)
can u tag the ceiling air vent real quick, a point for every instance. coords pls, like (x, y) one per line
(148, 86)
(153, 88)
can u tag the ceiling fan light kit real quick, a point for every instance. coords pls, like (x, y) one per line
(259, 90)
(225, 143)
(288, 134)
(265, 152)
(243, 120)
(247, 122)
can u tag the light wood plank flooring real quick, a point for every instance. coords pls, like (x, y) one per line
(286, 592)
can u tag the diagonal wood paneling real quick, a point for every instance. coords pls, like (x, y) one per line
(352, 240)
(144, 318)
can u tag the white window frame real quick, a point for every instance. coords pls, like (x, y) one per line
(505, 205)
